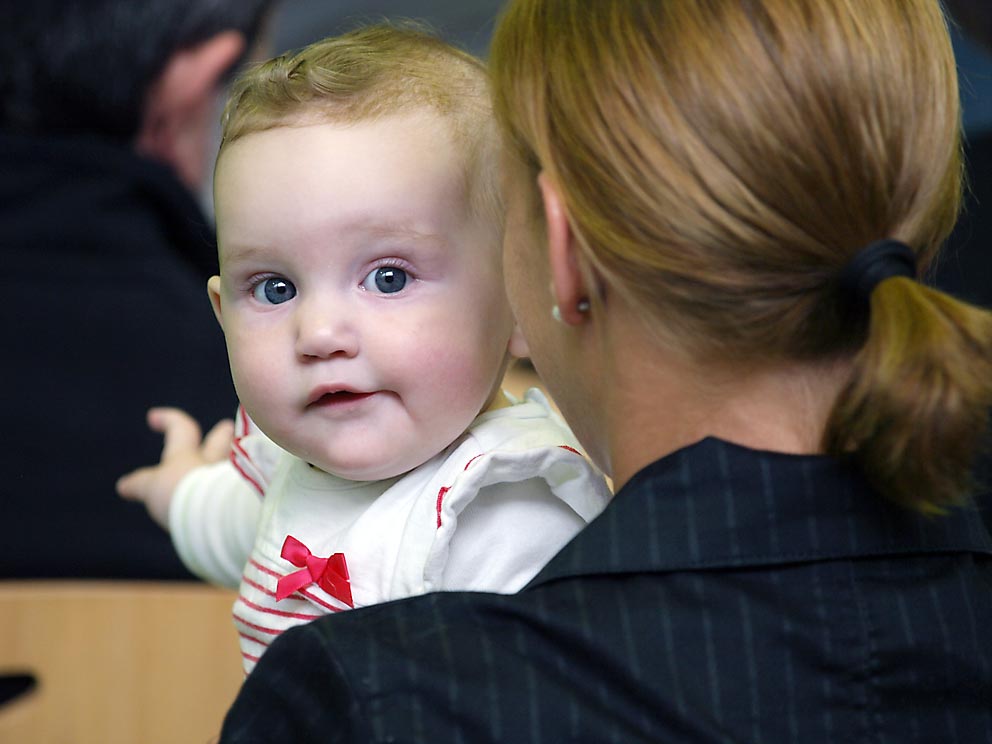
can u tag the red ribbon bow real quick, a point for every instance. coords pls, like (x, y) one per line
(330, 574)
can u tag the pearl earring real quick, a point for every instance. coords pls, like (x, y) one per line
(582, 306)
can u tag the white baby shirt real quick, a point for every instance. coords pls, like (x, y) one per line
(486, 514)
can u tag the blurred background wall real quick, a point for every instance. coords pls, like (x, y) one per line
(469, 24)
(975, 71)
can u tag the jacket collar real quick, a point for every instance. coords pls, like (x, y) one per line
(718, 505)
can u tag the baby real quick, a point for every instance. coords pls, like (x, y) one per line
(361, 296)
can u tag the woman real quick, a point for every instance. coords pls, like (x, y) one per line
(717, 215)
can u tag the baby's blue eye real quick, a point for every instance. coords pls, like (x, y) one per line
(385, 279)
(274, 291)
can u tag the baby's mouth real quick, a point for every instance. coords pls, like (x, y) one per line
(338, 398)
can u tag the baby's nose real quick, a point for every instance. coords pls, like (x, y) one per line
(325, 332)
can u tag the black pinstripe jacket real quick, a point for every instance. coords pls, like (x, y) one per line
(726, 595)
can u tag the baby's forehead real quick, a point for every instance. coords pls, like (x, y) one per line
(396, 177)
(470, 145)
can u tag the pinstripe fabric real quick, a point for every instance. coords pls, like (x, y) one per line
(726, 595)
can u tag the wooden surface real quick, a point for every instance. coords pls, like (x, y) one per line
(117, 662)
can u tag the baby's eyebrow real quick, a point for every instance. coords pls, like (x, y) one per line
(403, 232)
(232, 252)
(229, 254)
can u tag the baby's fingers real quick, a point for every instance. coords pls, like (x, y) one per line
(151, 486)
(134, 485)
(182, 433)
(217, 443)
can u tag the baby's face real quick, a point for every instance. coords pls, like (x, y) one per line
(362, 301)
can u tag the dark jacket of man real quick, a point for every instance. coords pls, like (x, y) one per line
(105, 260)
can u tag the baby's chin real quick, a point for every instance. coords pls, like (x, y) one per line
(355, 471)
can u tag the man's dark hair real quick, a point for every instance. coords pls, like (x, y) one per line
(87, 65)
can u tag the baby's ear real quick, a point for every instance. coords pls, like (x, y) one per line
(518, 344)
(213, 290)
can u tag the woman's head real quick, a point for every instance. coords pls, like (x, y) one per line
(721, 162)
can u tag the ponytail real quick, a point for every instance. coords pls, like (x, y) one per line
(915, 411)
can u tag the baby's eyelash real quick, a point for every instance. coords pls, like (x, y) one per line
(391, 263)
(248, 285)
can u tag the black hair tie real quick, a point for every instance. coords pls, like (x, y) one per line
(873, 265)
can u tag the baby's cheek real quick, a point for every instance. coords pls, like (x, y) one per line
(464, 379)
(241, 380)
(254, 381)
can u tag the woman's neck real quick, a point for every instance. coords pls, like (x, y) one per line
(660, 403)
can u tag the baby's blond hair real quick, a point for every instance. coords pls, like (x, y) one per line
(370, 73)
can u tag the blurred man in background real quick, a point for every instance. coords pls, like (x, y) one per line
(107, 109)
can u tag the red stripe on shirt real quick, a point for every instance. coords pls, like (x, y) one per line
(259, 628)
(243, 415)
(253, 639)
(256, 585)
(280, 613)
(236, 448)
(440, 498)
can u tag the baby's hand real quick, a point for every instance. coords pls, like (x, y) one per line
(182, 451)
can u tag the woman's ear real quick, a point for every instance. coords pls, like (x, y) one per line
(213, 290)
(567, 283)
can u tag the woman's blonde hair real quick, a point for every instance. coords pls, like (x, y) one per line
(369, 73)
(723, 161)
